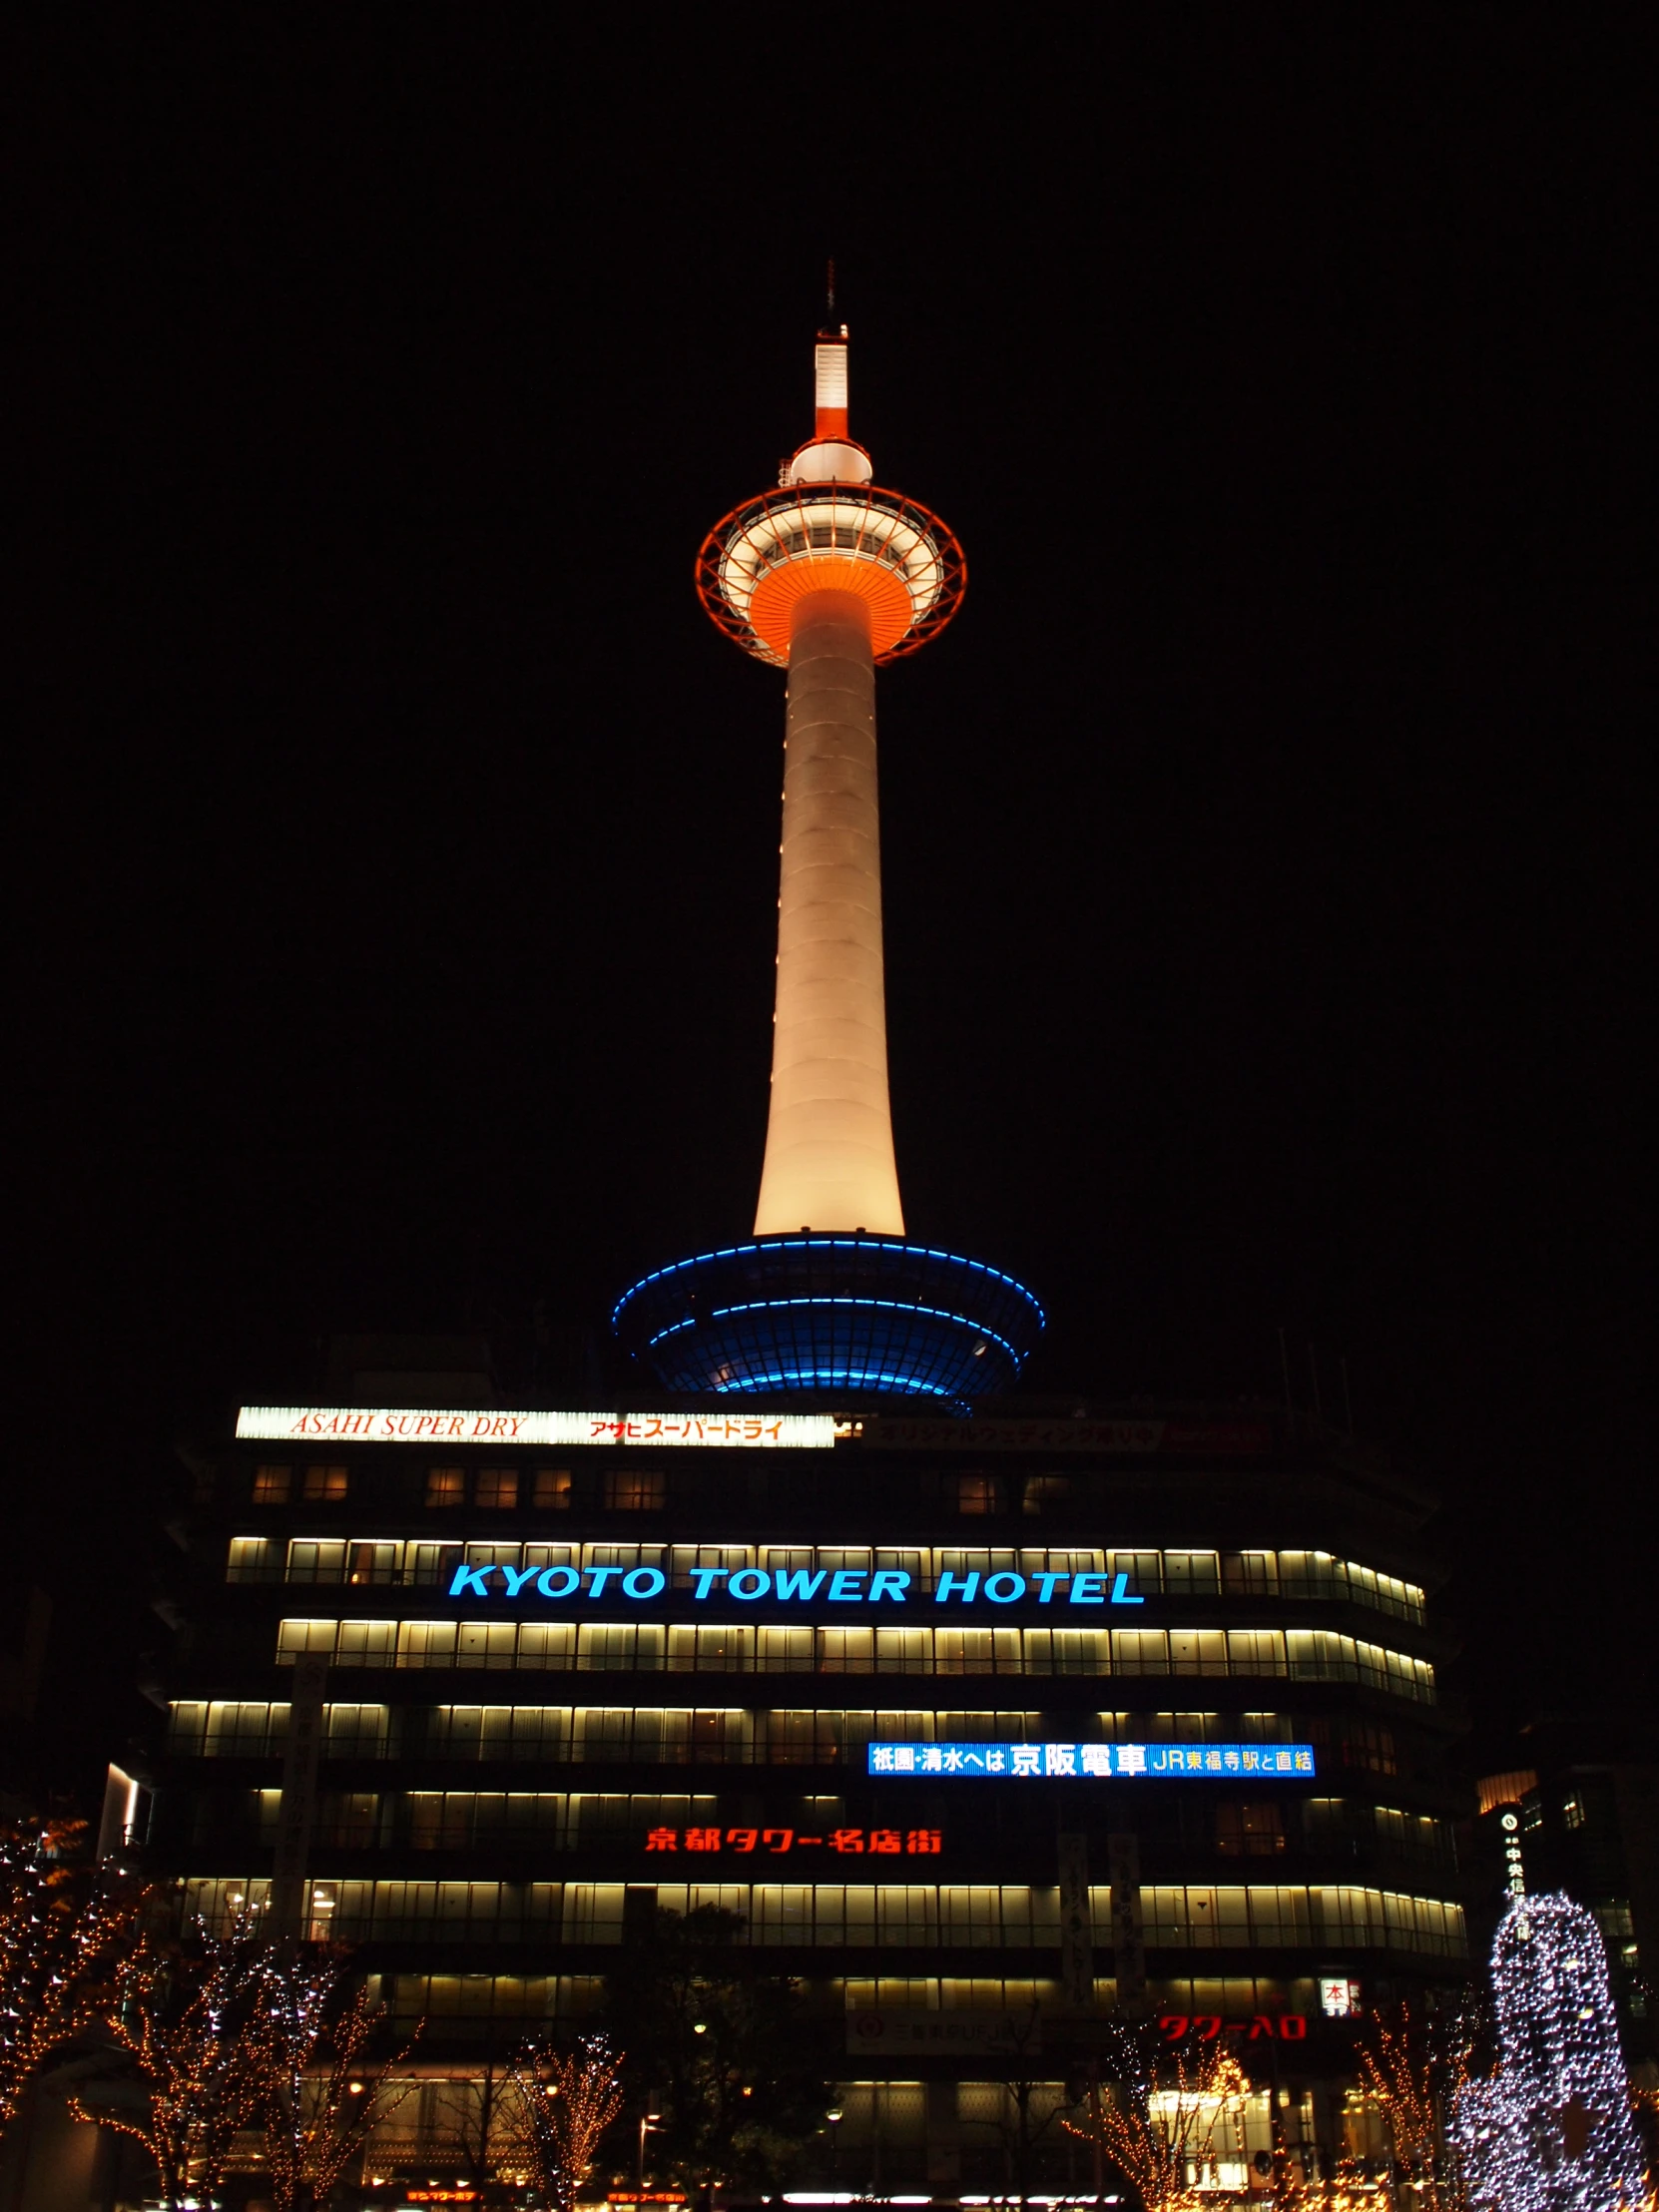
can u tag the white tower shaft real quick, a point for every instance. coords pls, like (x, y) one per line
(830, 1154)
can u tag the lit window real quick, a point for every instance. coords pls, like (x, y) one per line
(553, 1490)
(324, 1485)
(497, 1486)
(1254, 1831)
(271, 1485)
(445, 1486)
(978, 1493)
(1572, 1812)
(636, 1493)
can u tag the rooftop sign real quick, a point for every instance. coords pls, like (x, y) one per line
(383, 1424)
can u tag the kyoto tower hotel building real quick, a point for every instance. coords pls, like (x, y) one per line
(999, 1724)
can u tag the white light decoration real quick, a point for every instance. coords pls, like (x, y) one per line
(1552, 2132)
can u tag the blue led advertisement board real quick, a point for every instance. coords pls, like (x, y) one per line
(1038, 1762)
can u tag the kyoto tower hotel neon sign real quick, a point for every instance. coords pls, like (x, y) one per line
(831, 577)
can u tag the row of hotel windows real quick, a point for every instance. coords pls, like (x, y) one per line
(837, 1916)
(625, 1490)
(558, 1820)
(383, 1561)
(1302, 1655)
(684, 1735)
(678, 1735)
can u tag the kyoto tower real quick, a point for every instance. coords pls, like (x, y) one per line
(831, 577)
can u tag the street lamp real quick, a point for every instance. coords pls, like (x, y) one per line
(649, 2122)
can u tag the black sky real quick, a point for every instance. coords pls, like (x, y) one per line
(1266, 844)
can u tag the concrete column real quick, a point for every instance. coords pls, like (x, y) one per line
(830, 1157)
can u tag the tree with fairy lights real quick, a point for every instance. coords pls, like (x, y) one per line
(184, 2029)
(567, 2101)
(323, 2092)
(1552, 2132)
(1167, 2124)
(1413, 2068)
(63, 1924)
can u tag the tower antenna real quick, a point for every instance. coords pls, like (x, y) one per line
(829, 286)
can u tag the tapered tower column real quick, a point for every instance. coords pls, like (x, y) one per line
(829, 1151)
(831, 577)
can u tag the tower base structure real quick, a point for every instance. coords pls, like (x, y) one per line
(842, 1318)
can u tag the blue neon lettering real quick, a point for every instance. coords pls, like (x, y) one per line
(470, 1582)
(517, 1577)
(600, 1575)
(1120, 1592)
(544, 1582)
(890, 1582)
(1045, 1585)
(704, 1578)
(1088, 1589)
(749, 1582)
(643, 1582)
(1015, 1589)
(796, 1582)
(844, 1588)
(953, 1585)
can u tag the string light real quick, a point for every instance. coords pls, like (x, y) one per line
(321, 2100)
(567, 2101)
(1552, 2131)
(1163, 2138)
(185, 2021)
(1413, 2071)
(63, 1924)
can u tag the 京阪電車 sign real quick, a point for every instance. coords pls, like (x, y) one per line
(1038, 1761)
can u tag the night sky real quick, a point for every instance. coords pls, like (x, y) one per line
(1265, 861)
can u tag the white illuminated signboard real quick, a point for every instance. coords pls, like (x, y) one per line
(394, 1424)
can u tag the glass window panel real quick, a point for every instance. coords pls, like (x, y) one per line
(547, 1644)
(311, 1560)
(496, 1488)
(904, 1650)
(1079, 1650)
(367, 1644)
(426, 1644)
(1192, 1573)
(785, 1651)
(553, 1490)
(293, 1637)
(1140, 1651)
(1197, 1651)
(846, 1650)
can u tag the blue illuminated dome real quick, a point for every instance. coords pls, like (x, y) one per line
(845, 1318)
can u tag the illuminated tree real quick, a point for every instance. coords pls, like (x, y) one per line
(1552, 2131)
(567, 2101)
(1414, 2069)
(1163, 2135)
(323, 2092)
(185, 2019)
(62, 1927)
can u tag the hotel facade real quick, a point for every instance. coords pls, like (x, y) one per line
(991, 1730)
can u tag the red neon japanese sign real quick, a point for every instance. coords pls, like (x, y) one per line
(776, 1843)
(1286, 2027)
